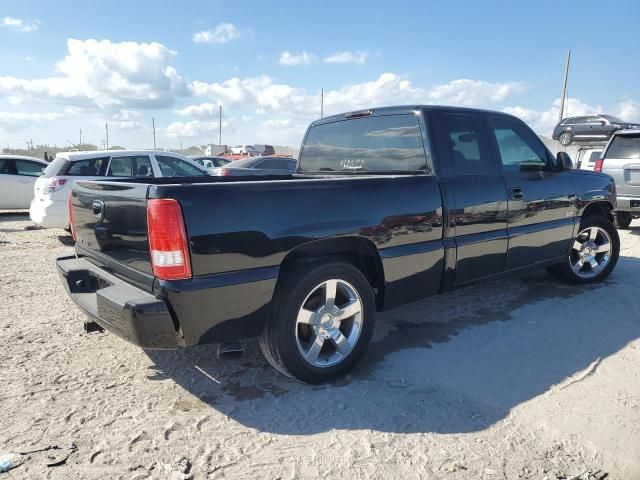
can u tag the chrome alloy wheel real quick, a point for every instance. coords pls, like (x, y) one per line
(565, 138)
(329, 323)
(591, 252)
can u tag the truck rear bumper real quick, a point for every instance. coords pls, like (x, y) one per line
(127, 311)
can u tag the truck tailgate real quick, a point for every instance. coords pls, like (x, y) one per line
(110, 224)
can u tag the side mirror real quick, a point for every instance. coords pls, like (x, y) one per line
(563, 162)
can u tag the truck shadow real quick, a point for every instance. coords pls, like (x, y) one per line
(452, 363)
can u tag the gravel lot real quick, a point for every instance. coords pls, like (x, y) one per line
(520, 378)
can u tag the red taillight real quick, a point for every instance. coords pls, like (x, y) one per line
(73, 230)
(598, 166)
(167, 240)
(54, 184)
(223, 172)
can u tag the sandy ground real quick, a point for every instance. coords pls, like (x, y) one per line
(521, 378)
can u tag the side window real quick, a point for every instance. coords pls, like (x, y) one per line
(138, 166)
(8, 167)
(273, 164)
(174, 167)
(580, 120)
(88, 168)
(520, 149)
(31, 169)
(466, 144)
(595, 155)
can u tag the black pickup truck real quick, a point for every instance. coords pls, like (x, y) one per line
(387, 206)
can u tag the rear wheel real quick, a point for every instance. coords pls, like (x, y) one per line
(622, 220)
(322, 322)
(565, 138)
(594, 253)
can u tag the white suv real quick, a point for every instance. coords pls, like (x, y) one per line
(49, 206)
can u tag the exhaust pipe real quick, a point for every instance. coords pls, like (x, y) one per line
(230, 351)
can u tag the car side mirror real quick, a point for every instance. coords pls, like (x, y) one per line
(563, 162)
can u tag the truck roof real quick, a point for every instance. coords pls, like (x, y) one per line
(401, 109)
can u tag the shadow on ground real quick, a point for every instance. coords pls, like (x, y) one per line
(452, 363)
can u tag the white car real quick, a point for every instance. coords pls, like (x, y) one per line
(586, 159)
(49, 207)
(17, 177)
(245, 150)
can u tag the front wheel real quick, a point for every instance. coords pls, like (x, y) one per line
(322, 321)
(594, 253)
(622, 220)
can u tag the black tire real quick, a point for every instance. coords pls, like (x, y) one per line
(279, 341)
(622, 220)
(565, 273)
(565, 139)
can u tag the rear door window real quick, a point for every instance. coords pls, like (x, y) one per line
(8, 166)
(625, 147)
(390, 143)
(30, 169)
(93, 167)
(132, 166)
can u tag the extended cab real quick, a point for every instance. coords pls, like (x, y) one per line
(387, 206)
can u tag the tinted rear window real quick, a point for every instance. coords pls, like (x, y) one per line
(390, 143)
(625, 147)
(56, 167)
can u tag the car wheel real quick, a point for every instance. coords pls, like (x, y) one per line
(321, 323)
(622, 220)
(565, 138)
(594, 253)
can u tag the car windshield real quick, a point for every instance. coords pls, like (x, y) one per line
(613, 119)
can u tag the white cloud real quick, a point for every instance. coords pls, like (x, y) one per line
(468, 92)
(104, 74)
(202, 110)
(223, 33)
(628, 110)
(19, 25)
(197, 129)
(16, 121)
(291, 59)
(281, 131)
(347, 56)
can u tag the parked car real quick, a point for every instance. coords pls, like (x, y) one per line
(209, 162)
(49, 207)
(258, 166)
(588, 128)
(265, 150)
(245, 150)
(18, 174)
(387, 206)
(587, 156)
(621, 160)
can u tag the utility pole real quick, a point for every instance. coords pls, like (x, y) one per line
(220, 127)
(564, 85)
(153, 124)
(322, 103)
(106, 129)
(80, 138)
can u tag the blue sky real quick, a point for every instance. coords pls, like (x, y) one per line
(71, 65)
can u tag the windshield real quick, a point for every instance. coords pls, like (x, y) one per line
(613, 119)
(624, 147)
(391, 143)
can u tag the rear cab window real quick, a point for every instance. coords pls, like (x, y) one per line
(624, 147)
(383, 144)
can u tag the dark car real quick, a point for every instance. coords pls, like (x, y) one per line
(387, 206)
(211, 163)
(589, 128)
(258, 166)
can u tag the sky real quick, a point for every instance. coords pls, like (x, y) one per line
(71, 65)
